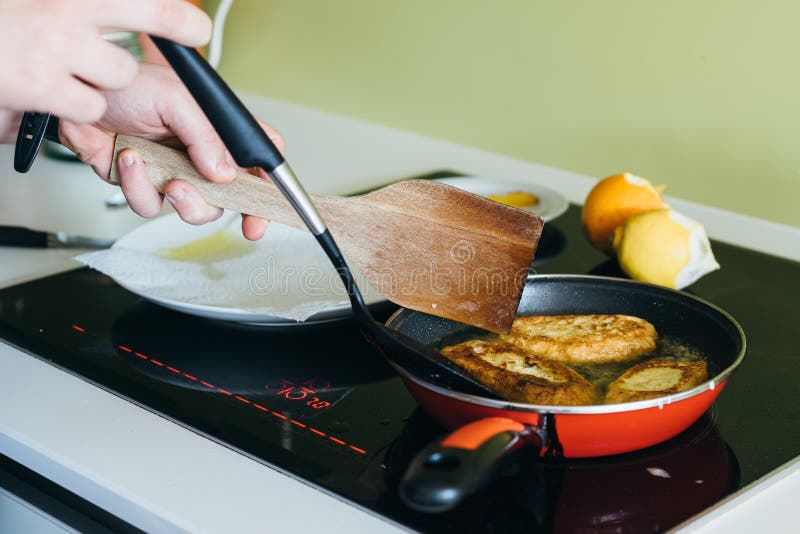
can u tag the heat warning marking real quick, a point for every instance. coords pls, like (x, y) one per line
(239, 398)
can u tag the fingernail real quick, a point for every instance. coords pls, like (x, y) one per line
(176, 195)
(226, 169)
(129, 159)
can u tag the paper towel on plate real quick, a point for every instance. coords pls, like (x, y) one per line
(211, 270)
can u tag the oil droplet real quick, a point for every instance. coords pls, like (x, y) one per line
(221, 245)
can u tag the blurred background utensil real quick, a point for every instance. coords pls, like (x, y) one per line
(19, 236)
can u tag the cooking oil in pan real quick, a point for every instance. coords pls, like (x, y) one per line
(600, 375)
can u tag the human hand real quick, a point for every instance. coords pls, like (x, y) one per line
(55, 58)
(158, 107)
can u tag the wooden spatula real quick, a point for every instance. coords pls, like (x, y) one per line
(423, 245)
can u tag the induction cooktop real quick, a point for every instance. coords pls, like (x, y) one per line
(320, 405)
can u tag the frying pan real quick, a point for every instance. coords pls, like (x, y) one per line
(488, 429)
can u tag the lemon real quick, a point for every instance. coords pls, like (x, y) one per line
(612, 201)
(664, 247)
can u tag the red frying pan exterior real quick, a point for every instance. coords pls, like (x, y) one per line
(580, 435)
(446, 471)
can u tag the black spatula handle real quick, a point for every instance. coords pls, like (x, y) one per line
(239, 130)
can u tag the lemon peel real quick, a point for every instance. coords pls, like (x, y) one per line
(664, 247)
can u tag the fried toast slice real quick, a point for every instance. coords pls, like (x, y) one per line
(520, 377)
(583, 339)
(656, 378)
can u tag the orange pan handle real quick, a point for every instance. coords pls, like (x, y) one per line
(448, 470)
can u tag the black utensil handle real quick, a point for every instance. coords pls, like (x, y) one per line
(32, 130)
(238, 129)
(17, 236)
(449, 470)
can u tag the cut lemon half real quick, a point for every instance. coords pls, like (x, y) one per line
(664, 247)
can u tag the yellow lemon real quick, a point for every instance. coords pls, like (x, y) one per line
(612, 201)
(664, 247)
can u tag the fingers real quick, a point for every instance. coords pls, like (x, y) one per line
(176, 20)
(107, 66)
(145, 200)
(92, 144)
(253, 228)
(274, 136)
(183, 116)
(191, 207)
(141, 194)
(78, 102)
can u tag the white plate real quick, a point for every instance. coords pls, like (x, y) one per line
(551, 204)
(169, 231)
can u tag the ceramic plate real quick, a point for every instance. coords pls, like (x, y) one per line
(551, 204)
(169, 231)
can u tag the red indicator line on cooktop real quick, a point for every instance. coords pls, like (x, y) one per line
(237, 397)
(78, 328)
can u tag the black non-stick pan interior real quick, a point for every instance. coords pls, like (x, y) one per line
(677, 314)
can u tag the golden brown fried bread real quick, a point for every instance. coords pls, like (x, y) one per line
(583, 339)
(520, 377)
(655, 378)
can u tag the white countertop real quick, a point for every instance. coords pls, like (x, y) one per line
(160, 476)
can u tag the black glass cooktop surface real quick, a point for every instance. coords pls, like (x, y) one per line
(319, 404)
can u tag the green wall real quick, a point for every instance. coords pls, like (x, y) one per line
(700, 95)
